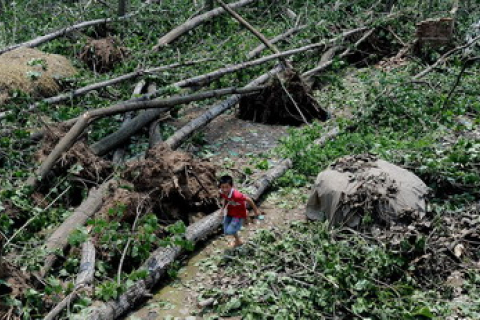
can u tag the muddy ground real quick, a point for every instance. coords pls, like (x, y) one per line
(232, 144)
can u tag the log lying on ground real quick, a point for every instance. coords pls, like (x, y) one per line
(59, 239)
(95, 86)
(62, 32)
(185, 132)
(195, 22)
(119, 154)
(160, 260)
(444, 57)
(90, 116)
(108, 143)
(256, 51)
(84, 278)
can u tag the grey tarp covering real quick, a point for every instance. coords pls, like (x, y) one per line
(357, 184)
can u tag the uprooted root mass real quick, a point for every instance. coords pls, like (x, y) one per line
(286, 101)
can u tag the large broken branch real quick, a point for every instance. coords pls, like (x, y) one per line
(161, 259)
(249, 27)
(90, 116)
(59, 33)
(195, 22)
(59, 239)
(184, 133)
(110, 142)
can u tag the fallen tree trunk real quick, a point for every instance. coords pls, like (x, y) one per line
(90, 116)
(84, 278)
(185, 132)
(95, 86)
(59, 33)
(161, 259)
(208, 77)
(59, 239)
(108, 143)
(256, 51)
(119, 154)
(195, 22)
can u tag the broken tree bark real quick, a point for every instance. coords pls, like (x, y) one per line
(195, 22)
(185, 132)
(162, 258)
(119, 154)
(110, 142)
(256, 51)
(51, 36)
(59, 239)
(84, 278)
(90, 116)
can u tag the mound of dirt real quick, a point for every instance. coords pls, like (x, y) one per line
(101, 55)
(32, 71)
(286, 101)
(177, 183)
(357, 185)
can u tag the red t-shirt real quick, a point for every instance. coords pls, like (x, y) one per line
(236, 204)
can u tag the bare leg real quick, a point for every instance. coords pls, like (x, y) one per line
(238, 241)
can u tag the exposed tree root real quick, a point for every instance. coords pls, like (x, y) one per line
(284, 101)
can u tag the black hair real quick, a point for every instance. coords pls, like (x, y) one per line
(225, 179)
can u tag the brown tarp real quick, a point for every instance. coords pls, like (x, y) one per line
(360, 184)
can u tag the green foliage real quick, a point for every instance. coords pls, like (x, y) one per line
(400, 122)
(306, 272)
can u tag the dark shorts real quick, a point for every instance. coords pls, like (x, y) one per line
(232, 225)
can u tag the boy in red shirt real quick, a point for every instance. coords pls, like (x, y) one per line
(234, 203)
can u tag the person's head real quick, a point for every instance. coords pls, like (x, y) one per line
(225, 184)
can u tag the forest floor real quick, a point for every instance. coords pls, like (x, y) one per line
(232, 143)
